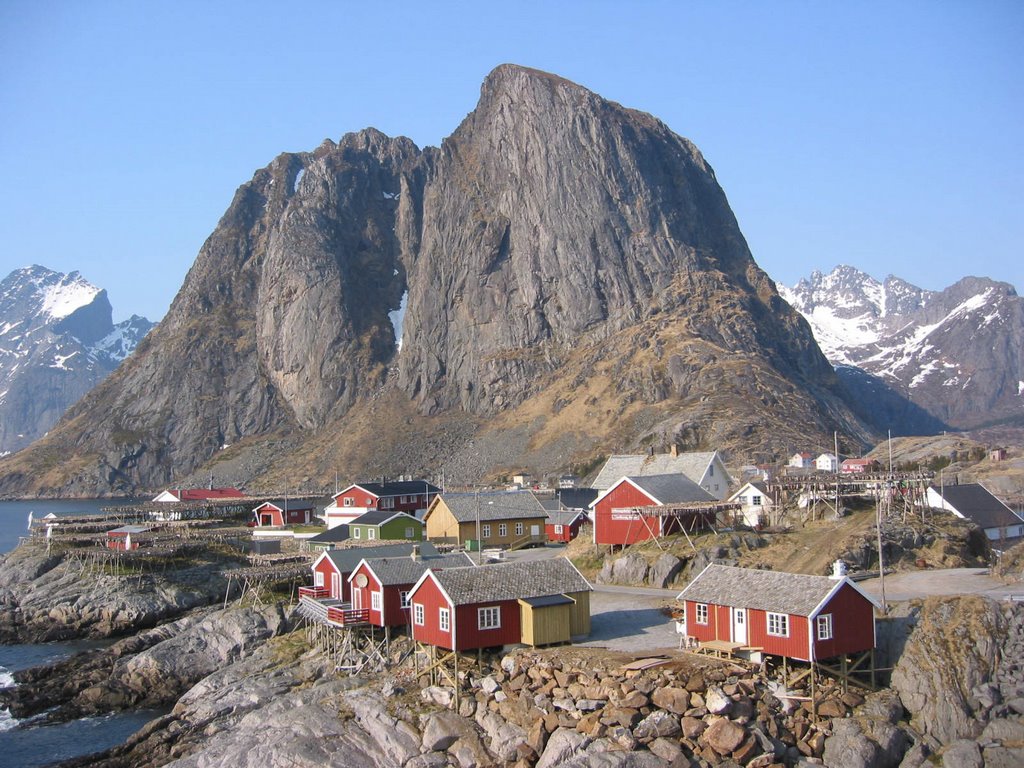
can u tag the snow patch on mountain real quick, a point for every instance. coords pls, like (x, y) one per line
(958, 351)
(65, 298)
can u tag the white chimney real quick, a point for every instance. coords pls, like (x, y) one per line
(415, 552)
(838, 570)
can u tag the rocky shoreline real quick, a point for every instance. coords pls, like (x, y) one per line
(246, 689)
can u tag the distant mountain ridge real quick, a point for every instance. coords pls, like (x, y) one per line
(57, 341)
(564, 275)
(957, 354)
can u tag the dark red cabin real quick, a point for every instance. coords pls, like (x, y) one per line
(794, 615)
(618, 519)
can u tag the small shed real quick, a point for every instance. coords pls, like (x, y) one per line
(284, 512)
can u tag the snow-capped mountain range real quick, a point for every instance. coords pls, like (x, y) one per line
(57, 341)
(958, 353)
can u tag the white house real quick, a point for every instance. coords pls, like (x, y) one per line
(801, 460)
(827, 462)
(974, 502)
(705, 468)
(756, 504)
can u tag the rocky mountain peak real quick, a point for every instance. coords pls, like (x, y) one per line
(956, 353)
(558, 254)
(57, 340)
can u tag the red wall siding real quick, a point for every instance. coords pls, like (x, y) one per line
(273, 511)
(469, 637)
(360, 498)
(366, 594)
(702, 632)
(795, 646)
(394, 615)
(568, 533)
(300, 516)
(430, 596)
(326, 567)
(609, 531)
(853, 625)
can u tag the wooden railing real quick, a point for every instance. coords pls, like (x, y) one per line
(317, 593)
(347, 617)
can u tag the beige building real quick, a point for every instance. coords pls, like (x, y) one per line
(499, 519)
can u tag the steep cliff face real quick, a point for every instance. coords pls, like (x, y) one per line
(557, 257)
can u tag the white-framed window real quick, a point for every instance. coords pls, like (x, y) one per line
(387, 502)
(375, 600)
(444, 620)
(404, 599)
(519, 529)
(488, 618)
(701, 613)
(742, 500)
(824, 623)
(756, 501)
(485, 531)
(346, 502)
(417, 614)
(403, 500)
(371, 533)
(410, 532)
(502, 530)
(356, 533)
(318, 578)
(558, 529)
(778, 624)
(369, 502)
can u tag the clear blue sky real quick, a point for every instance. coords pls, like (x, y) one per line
(883, 135)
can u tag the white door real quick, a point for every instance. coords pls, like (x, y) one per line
(739, 625)
(357, 598)
(336, 586)
(535, 531)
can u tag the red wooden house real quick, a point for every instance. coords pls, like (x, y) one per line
(802, 617)
(409, 496)
(383, 584)
(284, 512)
(625, 514)
(332, 569)
(563, 525)
(537, 603)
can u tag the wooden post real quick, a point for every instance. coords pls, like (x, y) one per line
(845, 679)
(814, 701)
(456, 681)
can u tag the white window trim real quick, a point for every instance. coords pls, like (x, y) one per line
(318, 578)
(559, 529)
(444, 620)
(483, 617)
(519, 529)
(781, 622)
(698, 609)
(375, 600)
(485, 531)
(823, 625)
(417, 614)
(502, 530)
(371, 533)
(404, 599)
(410, 532)
(346, 502)
(356, 534)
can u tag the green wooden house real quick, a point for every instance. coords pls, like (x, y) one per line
(387, 525)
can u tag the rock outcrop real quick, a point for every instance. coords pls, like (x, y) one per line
(960, 675)
(570, 275)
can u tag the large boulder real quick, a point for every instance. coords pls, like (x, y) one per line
(664, 570)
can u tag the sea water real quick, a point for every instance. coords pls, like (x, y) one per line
(26, 743)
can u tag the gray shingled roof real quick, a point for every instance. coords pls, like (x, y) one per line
(692, 465)
(976, 503)
(501, 505)
(511, 581)
(564, 516)
(405, 570)
(378, 516)
(672, 489)
(794, 593)
(347, 559)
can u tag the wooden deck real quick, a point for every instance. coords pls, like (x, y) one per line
(720, 649)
